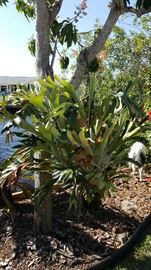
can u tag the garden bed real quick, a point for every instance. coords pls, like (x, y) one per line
(77, 241)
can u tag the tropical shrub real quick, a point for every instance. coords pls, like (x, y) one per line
(85, 141)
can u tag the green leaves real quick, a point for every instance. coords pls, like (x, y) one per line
(93, 66)
(65, 31)
(26, 7)
(146, 4)
(68, 34)
(64, 62)
(85, 142)
(3, 2)
(32, 46)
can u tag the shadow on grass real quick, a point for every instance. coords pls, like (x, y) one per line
(133, 263)
(140, 256)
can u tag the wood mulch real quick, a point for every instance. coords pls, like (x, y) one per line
(77, 240)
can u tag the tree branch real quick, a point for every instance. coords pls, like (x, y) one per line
(55, 10)
(53, 58)
(137, 12)
(88, 54)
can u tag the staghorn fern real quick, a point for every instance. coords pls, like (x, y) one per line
(87, 140)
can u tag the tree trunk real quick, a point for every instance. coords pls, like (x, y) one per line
(43, 211)
(42, 38)
(44, 19)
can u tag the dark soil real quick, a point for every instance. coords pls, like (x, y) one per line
(77, 240)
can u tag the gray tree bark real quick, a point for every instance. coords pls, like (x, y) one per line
(44, 20)
(88, 54)
(42, 38)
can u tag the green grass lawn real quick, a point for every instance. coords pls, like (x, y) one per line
(140, 257)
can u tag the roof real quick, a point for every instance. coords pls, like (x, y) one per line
(7, 80)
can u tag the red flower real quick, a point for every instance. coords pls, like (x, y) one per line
(149, 115)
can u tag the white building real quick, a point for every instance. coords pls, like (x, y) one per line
(9, 84)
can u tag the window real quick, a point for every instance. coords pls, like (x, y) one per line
(13, 87)
(3, 88)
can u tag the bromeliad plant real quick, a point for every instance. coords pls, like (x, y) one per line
(86, 139)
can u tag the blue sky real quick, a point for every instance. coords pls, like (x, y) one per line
(15, 31)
